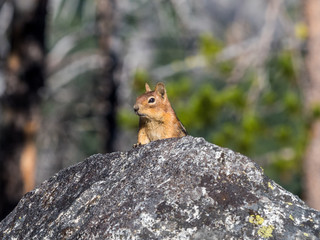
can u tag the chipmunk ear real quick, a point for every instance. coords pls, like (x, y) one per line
(148, 89)
(161, 90)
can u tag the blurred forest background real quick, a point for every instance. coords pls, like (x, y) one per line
(242, 74)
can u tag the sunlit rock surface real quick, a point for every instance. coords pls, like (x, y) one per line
(170, 189)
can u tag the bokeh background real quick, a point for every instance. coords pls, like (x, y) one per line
(242, 74)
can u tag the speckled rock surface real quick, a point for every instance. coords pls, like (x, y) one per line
(170, 189)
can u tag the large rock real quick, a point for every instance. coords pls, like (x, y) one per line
(170, 189)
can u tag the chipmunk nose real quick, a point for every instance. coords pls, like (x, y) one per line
(135, 107)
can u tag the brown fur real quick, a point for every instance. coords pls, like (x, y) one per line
(157, 120)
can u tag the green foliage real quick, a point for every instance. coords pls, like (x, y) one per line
(127, 119)
(316, 111)
(225, 68)
(268, 98)
(140, 78)
(180, 88)
(291, 102)
(210, 46)
(285, 66)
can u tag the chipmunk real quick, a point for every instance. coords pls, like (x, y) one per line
(157, 119)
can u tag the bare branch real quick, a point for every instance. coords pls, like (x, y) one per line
(74, 69)
(66, 44)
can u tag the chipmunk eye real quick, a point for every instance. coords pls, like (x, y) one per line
(151, 100)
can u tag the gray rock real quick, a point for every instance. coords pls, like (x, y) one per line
(169, 189)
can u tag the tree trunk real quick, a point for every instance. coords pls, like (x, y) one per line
(106, 94)
(24, 77)
(312, 93)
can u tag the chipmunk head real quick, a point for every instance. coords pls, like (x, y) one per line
(152, 104)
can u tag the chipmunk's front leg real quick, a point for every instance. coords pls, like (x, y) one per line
(142, 138)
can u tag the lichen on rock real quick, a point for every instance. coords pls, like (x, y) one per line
(182, 188)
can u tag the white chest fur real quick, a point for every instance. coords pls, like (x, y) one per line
(155, 131)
